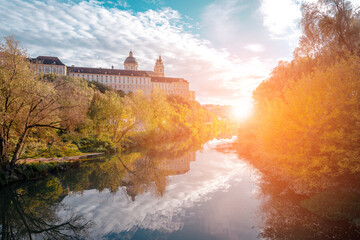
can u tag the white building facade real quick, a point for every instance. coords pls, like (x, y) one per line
(47, 65)
(125, 80)
(129, 79)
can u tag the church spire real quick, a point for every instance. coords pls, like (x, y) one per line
(159, 67)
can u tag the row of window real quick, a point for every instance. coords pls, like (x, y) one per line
(170, 86)
(175, 92)
(46, 68)
(144, 88)
(130, 67)
(141, 83)
(105, 79)
(49, 70)
(122, 87)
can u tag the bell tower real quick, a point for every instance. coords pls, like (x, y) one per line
(159, 67)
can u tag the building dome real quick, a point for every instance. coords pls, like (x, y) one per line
(131, 63)
(130, 58)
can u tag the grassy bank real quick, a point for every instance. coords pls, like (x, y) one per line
(32, 169)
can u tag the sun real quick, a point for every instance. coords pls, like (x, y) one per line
(242, 111)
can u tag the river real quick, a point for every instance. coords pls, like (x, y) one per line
(205, 194)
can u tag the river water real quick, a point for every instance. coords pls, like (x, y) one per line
(149, 195)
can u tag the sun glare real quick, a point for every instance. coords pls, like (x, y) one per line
(242, 111)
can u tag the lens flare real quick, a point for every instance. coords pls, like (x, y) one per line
(242, 111)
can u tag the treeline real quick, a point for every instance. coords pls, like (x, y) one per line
(53, 116)
(306, 126)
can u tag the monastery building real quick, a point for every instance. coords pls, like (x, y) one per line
(129, 79)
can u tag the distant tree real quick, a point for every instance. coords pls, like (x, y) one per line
(99, 86)
(29, 102)
(121, 93)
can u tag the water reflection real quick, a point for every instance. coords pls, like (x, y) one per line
(282, 216)
(157, 191)
(152, 194)
(151, 171)
(138, 172)
(29, 212)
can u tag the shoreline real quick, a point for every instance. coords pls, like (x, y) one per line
(61, 159)
(38, 168)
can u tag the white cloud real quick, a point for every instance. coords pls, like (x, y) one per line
(88, 34)
(220, 17)
(254, 47)
(281, 16)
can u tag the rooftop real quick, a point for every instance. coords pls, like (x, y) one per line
(47, 60)
(109, 71)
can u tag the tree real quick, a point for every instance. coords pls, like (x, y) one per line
(99, 86)
(305, 126)
(112, 119)
(29, 102)
(330, 28)
(311, 135)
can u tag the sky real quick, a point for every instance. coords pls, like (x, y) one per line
(224, 48)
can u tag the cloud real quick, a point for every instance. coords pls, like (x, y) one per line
(236, 26)
(89, 34)
(155, 2)
(255, 47)
(281, 16)
(221, 18)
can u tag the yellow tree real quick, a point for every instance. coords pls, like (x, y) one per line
(112, 119)
(312, 135)
(28, 102)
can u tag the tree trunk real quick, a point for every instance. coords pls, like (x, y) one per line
(5, 215)
(16, 152)
(4, 157)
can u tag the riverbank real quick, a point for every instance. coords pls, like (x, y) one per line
(31, 169)
(61, 159)
(336, 203)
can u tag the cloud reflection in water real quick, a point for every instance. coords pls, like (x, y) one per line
(212, 172)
